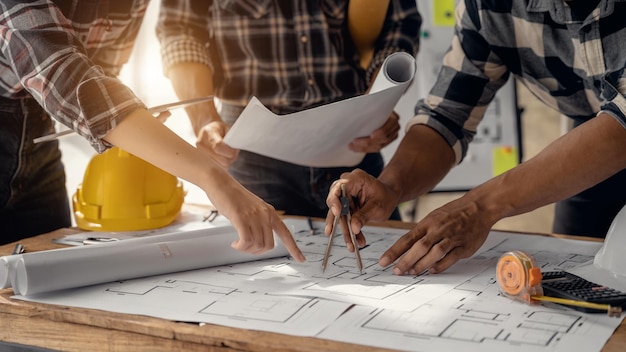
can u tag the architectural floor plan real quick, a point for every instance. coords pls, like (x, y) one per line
(460, 308)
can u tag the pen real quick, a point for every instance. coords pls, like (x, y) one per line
(152, 110)
(19, 249)
(310, 222)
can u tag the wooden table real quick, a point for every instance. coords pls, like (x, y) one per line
(79, 329)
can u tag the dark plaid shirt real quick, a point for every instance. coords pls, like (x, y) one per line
(65, 54)
(291, 55)
(576, 66)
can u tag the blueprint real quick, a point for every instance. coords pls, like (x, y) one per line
(460, 308)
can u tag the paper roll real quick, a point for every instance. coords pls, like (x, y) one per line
(7, 270)
(398, 69)
(65, 268)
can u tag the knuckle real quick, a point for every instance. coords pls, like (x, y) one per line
(246, 243)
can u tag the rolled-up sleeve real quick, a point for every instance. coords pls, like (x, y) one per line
(50, 63)
(400, 32)
(614, 94)
(470, 76)
(182, 30)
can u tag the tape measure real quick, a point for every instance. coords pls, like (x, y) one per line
(519, 278)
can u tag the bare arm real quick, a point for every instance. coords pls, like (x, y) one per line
(193, 80)
(583, 157)
(580, 159)
(422, 159)
(142, 135)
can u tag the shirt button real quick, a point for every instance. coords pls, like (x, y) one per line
(304, 39)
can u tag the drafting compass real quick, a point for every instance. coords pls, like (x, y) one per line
(345, 213)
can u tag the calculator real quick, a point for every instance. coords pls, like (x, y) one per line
(566, 285)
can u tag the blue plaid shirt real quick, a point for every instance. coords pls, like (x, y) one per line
(292, 55)
(576, 66)
(65, 54)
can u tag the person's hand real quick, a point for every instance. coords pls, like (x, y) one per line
(379, 138)
(255, 221)
(446, 235)
(211, 139)
(370, 200)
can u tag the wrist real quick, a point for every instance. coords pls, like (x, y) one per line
(392, 189)
(493, 200)
(202, 117)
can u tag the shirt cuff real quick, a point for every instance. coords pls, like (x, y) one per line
(613, 93)
(103, 102)
(183, 49)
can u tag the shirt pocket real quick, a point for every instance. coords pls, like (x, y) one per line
(245, 8)
(335, 13)
(335, 10)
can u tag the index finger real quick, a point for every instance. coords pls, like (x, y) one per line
(286, 238)
(332, 200)
(400, 247)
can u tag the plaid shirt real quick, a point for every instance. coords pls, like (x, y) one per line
(292, 55)
(577, 67)
(64, 53)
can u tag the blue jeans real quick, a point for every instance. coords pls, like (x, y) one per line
(33, 198)
(295, 189)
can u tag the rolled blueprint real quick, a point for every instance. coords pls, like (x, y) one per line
(65, 268)
(320, 136)
(7, 269)
(398, 69)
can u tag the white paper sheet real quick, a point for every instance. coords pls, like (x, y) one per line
(59, 269)
(320, 136)
(467, 313)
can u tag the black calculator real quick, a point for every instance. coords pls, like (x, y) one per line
(566, 285)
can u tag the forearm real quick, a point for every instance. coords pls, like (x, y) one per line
(422, 159)
(193, 80)
(578, 160)
(142, 135)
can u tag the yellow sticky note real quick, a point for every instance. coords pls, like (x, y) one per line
(504, 159)
(443, 13)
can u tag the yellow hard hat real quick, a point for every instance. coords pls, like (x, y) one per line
(121, 192)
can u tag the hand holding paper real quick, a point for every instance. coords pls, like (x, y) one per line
(320, 136)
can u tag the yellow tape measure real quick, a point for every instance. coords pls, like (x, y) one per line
(519, 278)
